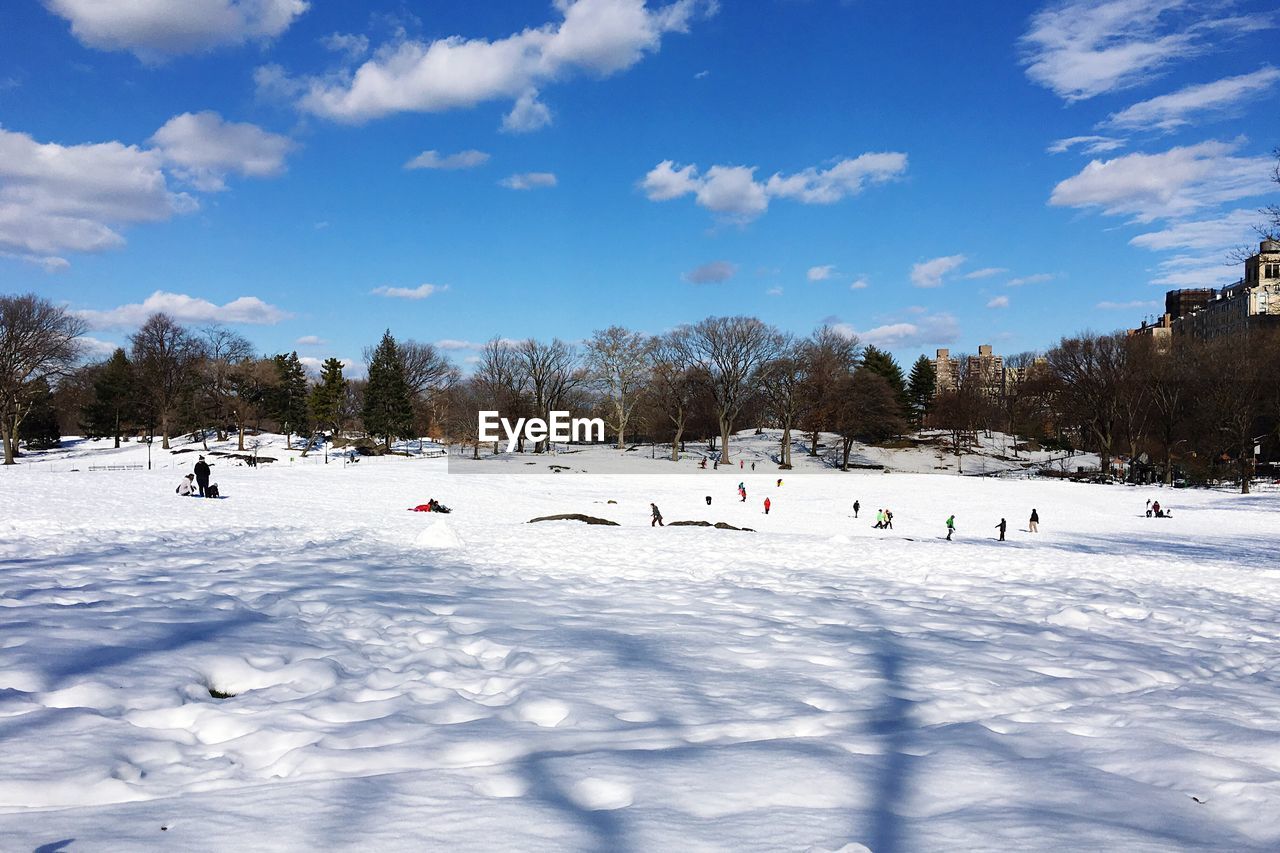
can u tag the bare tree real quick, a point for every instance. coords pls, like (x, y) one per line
(500, 380)
(729, 352)
(961, 410)
(1090, 371)
(782, 380)
(223, 351)
(166, 356)
(675, 387)
(867, 409)
(39, 342)
(552, 372)
(829, 358)
(619, 362)
(1234, 387)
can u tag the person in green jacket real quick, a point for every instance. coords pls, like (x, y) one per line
(951, 526)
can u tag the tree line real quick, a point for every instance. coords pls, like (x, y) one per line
(1194, 408)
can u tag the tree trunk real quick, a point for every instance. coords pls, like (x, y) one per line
(7, 441)
(724, 440)
(164, 432)
(240, 442)
(677, 439)
(785, 455)
(117, 429)
(813, 444)
(847, 448)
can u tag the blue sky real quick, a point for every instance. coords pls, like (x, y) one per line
(919, 175)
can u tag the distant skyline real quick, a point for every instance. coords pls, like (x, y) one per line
(923, 176)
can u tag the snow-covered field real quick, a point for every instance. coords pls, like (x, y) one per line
(405, 681)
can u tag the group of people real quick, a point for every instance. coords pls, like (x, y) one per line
(884, 520)
(196, 484)
(1154, 510)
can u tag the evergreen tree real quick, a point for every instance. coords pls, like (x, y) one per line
(920, 388)
(115, 403)
(388, 406)
(290, 403)
(328, 396)
(883, 364)
(39, 429)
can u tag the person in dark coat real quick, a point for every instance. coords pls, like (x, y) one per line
(856, 506)
(202, 476)
(1001, 527)
(1033, 525)
(657, 516)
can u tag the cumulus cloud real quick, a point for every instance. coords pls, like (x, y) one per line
(711, 273)
(78, 198)
(93, 349)
(821, 273)
(734, 192)
(860, 284)
(1196, 271)
(1079, 49)
(452, 345)
(246, 310)
(468, 159)
(351, 45)
(527, 114)
(154, 30)
(203, 148)
(998, 302)
(315, 366)
(923, 330)
(311, 341)
(985, 272)
(595, 37)
(1169, 112)
(529, 181)
(1034, 278)
(1166, 185)
(422, 291)
(1087, 144)
(931, 272)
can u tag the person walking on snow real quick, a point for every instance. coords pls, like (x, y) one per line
(779, 482)
(202, 476)
(742, 464)
(753, 466)
(1001, 526)
(879, 519)
(951, 525)
(657, 516)
(856, 506)
(767, 504)
(1034, 524)
(888, 519)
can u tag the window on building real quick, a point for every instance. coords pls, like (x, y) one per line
(1273, 270)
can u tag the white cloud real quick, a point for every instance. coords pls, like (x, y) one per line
(422, 291)
(1034, 278)
(821, 273)
(1196, 271)
(453, 345)
(311, 341)
(860, 284)
(734, 192)
(930, 273)
(247, 310)
(926, 330)
(203, 149)
(1126, 306)
(94, 350)
(1169, 184)
(157, 29)
(49, 263)
(711, 273)
(59, 198)
(773, 291)
(527, 114)
(315, 366)
(352, 45)
(468, 159)
(529, 181)
(1231, 229)
(1088, 144)
(1168, 112)
(985, 272)
(1083, 48)
(597, 37)
(998, 302)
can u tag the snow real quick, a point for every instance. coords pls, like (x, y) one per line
(399, 680)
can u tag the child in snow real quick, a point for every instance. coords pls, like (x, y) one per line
(1033, 526)
(767, 504)
(1001, 527)
(657, 516)
(951, 525)
(185, 488)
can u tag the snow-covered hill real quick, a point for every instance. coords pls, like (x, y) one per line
(393, 680)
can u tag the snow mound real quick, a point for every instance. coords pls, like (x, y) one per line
(438, 535)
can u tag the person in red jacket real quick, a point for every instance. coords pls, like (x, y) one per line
(767, 504)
